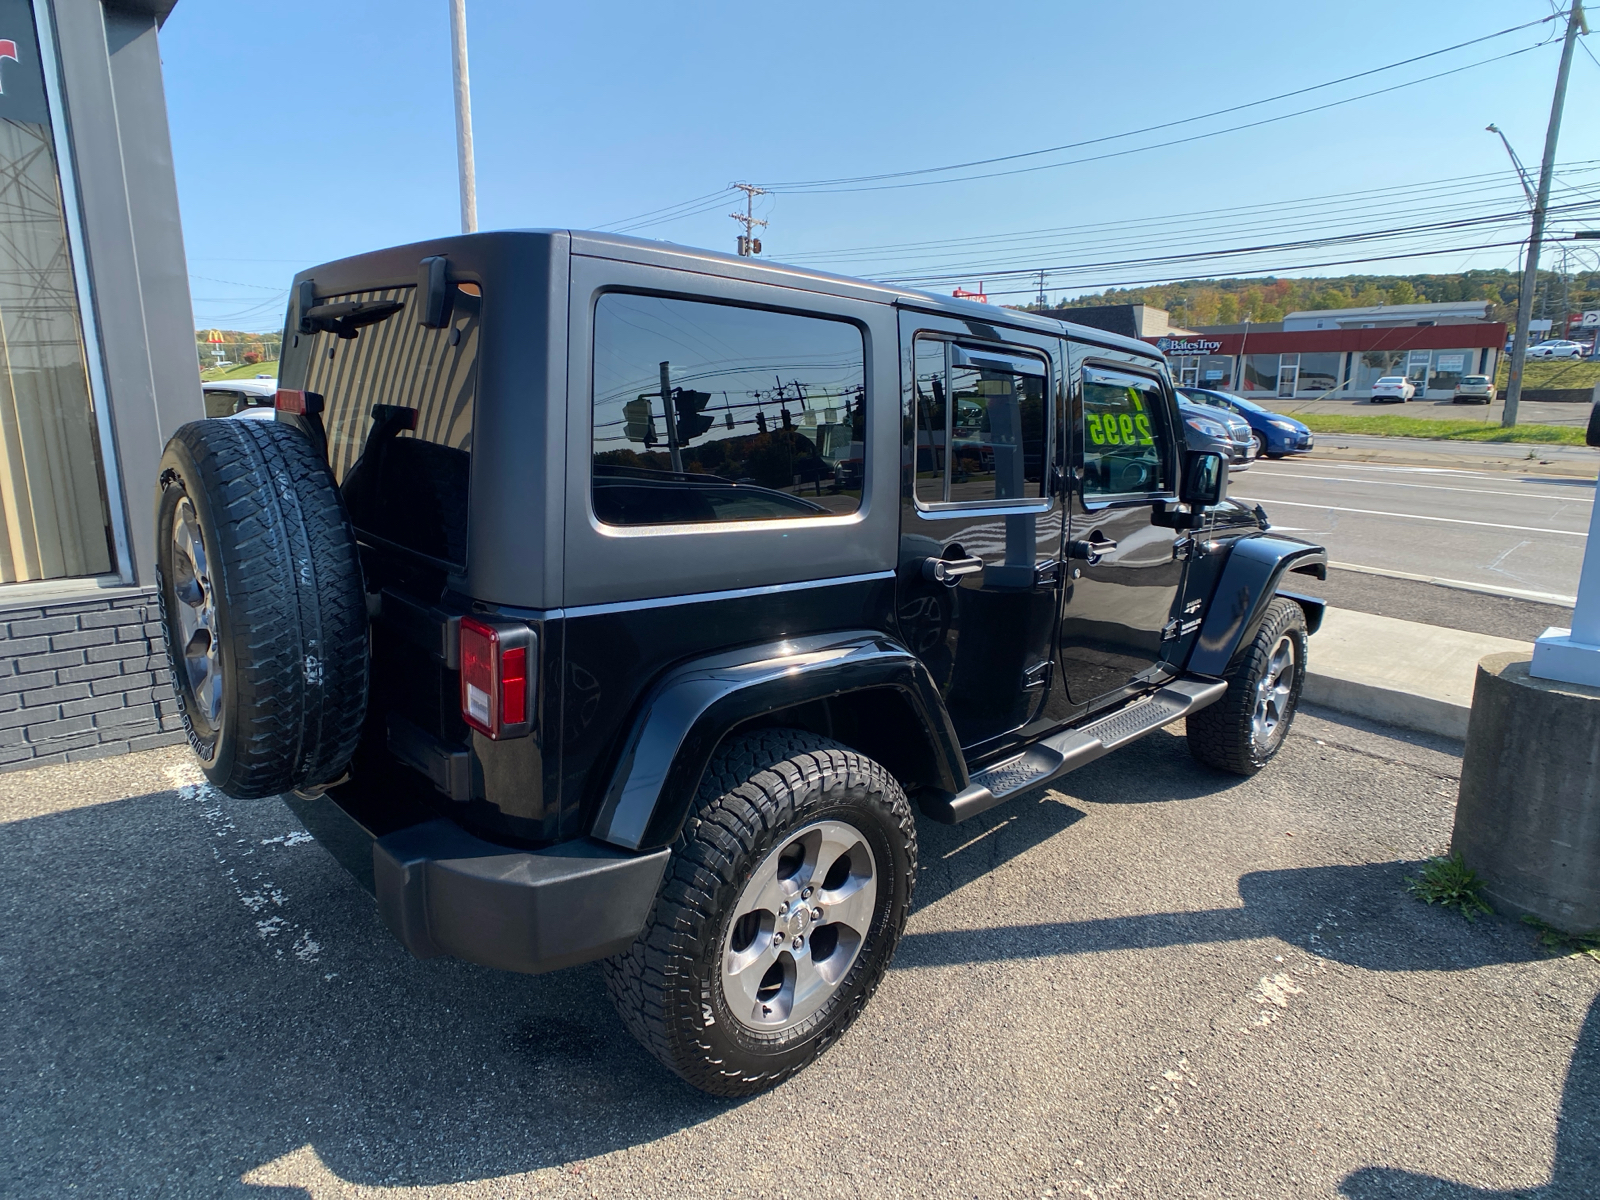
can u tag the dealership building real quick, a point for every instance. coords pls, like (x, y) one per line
(97, 368)
(1339, 352)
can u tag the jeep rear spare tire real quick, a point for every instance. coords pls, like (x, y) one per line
(262, 605)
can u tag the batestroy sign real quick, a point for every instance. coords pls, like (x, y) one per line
(1168, 345)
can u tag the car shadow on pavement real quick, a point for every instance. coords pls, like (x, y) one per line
(174, 1024)
(1575, 1174)
(1359, 915)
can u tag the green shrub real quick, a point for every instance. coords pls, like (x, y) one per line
(1450, 883)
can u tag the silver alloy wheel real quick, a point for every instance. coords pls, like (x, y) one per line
(1272, 695)
(799, 926)
(196, 614)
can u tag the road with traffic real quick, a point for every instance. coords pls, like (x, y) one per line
(1521, 535)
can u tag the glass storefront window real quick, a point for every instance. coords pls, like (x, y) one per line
(1260, 373)
(1450, 365)
(1215, 371)
(1374, 365)
(1319, 373)
(54, 520)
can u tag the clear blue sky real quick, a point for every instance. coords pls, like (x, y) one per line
(305, 130)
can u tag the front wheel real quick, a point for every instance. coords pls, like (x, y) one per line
(1244, 730)
(781, 907)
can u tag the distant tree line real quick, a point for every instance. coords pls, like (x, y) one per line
(1193, 302)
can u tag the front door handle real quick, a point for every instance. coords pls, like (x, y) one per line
(949, 571)
(1091, 549)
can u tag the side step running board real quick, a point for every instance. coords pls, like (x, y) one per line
(1054, 756)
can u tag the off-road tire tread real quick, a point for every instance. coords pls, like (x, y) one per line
(1219, 735)
(746, 799)
(291, 605)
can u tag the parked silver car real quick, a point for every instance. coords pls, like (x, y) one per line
(1474, 389)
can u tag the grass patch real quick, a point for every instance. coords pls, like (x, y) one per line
(242, 371)
(1556, 942)
(1450, 883)
(1554, 373)
(1451, 431)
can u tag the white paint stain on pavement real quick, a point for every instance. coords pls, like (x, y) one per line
(246, 870)
(1275, 990)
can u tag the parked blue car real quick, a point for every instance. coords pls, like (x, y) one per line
(1276, 435)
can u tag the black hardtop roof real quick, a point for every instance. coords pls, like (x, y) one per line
(478, 254)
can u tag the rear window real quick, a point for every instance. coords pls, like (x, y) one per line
(398, 411)
(708, 412)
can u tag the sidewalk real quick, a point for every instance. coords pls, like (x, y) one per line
(1399, 672)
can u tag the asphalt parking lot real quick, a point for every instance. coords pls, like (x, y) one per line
(1157, 981)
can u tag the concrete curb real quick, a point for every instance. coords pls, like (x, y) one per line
(1404, 673)
(1406, 710)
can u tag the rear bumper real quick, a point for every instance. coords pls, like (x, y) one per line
(441, 890)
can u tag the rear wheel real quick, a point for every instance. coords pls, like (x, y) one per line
(1244, 730)
(780, 910)
(262, 605)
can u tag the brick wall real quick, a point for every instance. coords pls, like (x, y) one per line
(84, 680)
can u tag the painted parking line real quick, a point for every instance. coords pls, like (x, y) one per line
(1432, 487)
(1368, 512)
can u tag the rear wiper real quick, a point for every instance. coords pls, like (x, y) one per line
(347, 316)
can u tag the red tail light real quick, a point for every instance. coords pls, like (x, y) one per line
(496, 679)
(300, 403)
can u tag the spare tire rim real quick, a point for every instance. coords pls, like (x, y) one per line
(1271, 714)
(799, 926)
(196, 615)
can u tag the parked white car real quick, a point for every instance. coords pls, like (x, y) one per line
(230, 397)
(1391, 388)
(1558, 348)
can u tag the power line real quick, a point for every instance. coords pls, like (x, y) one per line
(1278, 272)
(1168, 229)
(1262, 248)
(792, 185)
(1198, 137)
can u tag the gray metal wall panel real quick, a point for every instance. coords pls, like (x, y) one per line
(117, 124)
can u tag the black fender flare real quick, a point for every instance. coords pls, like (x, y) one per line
(689, 711)
(1256, 565)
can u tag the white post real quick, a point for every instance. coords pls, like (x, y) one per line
(1573, 655)
(469, 182)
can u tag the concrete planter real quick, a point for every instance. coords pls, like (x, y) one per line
(1528, 820)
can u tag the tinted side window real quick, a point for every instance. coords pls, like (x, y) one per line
(1127, 447)
(980, 423)
(714, 412)
(399, 398)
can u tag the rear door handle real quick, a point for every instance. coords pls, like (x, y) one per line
(949, 571)
(1091, 550)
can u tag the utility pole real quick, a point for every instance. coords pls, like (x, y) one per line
(1044, 301)
(468, 174)
(1541, 204)
(672, 419)
(748, 243)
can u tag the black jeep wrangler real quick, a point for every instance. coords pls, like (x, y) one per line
(592, 598)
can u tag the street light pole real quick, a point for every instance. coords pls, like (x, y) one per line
(468, 174)
(1541, 204)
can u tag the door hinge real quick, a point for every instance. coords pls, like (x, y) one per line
(1037, 676)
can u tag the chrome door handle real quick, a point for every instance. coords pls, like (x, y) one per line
(1090, 551)
(949, 571)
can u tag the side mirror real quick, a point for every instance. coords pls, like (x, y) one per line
(1205, 479)
(1593, 436)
